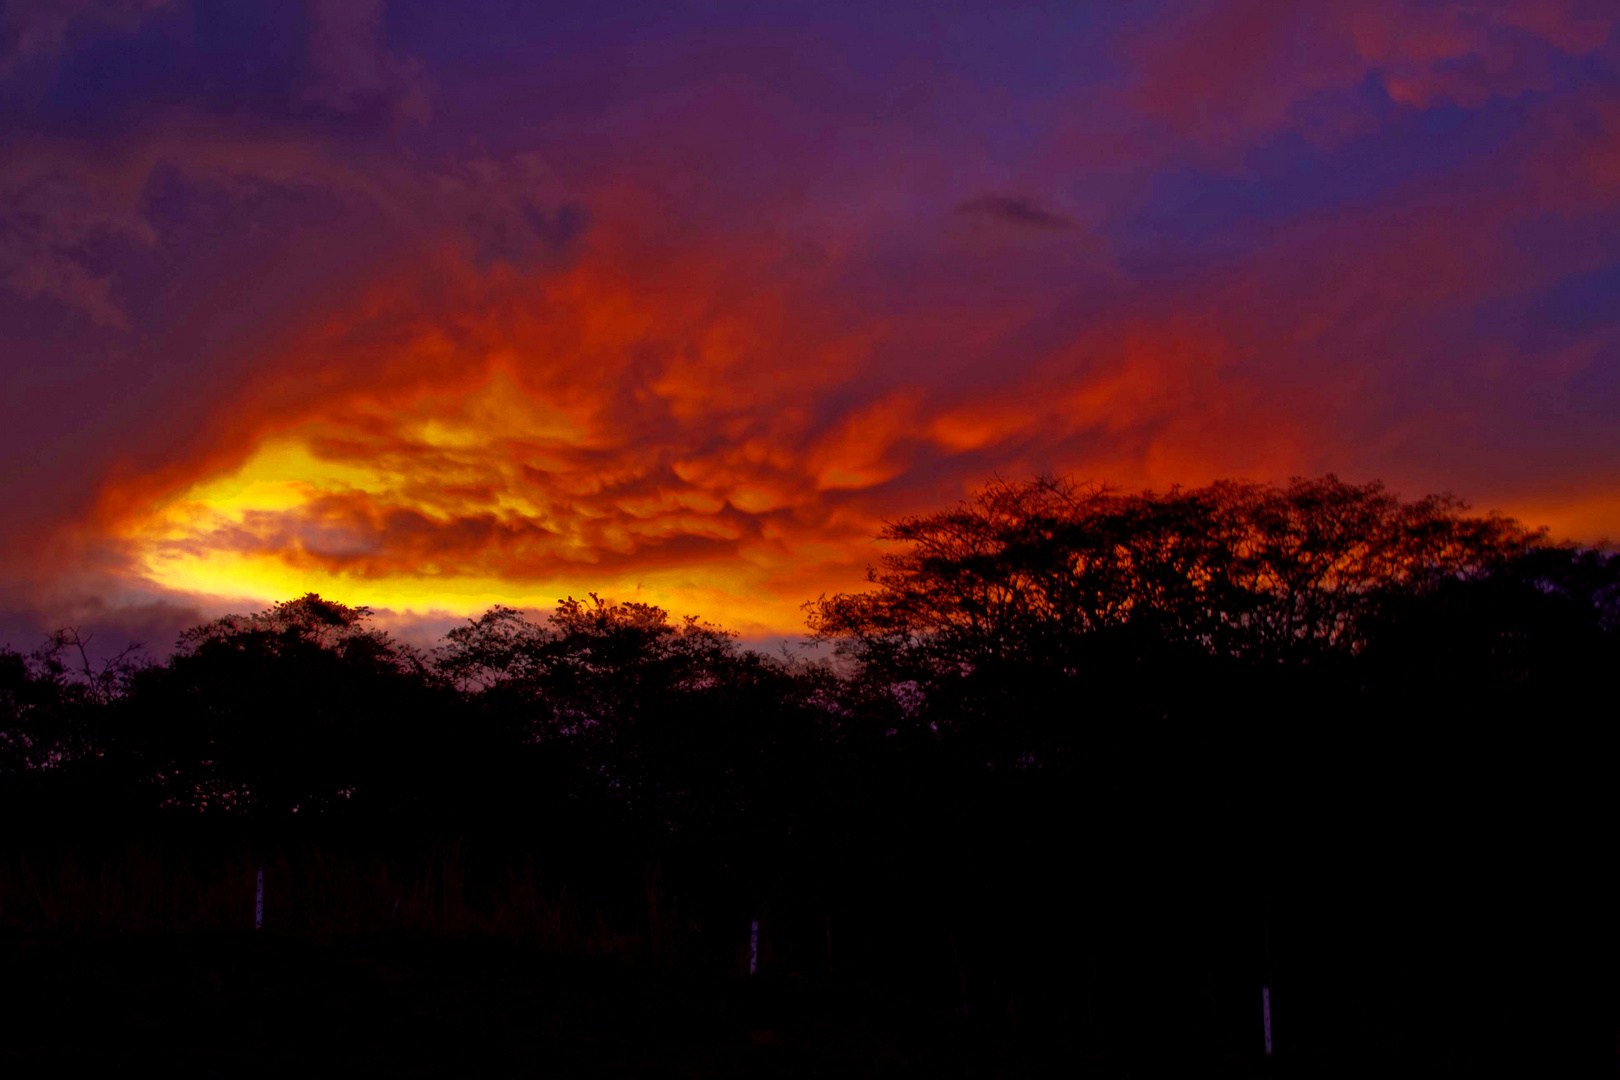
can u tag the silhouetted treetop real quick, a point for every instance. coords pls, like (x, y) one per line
(580, 643)
(309, 621)
(1039, 626)
(48, 696)
(291, 709)
(1027, 570)
(668, 720)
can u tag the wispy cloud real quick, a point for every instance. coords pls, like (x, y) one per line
(1018, 210)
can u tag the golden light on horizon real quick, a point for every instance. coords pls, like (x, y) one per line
(448, 504)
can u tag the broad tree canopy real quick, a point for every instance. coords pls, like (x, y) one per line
(1029, 570)
(1019, 611)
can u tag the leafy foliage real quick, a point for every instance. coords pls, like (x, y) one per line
(47, 698)
(1002, 615)
(290, 710)
(1236, 569)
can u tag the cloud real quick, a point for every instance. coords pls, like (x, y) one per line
(699, 422)
(692, 338)
(53, 206)
(69, 209)
(354, 72)
(33, 30)
(1226, 73)
(1014, 210)
(536, 434)
(51, 273)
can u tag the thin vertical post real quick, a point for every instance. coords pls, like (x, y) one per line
(1265, 985)
(753, 946)
(258, 902)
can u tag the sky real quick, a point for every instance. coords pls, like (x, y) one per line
(432, 306)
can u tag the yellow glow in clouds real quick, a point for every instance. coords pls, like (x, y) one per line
(454, 504)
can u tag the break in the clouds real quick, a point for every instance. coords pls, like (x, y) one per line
(433, 308)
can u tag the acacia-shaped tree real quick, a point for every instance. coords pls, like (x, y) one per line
(1033, 602)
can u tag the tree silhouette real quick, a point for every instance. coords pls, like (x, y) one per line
(295, 709)
(668, 723)
(48, 700)
(1135, 722)
(1237, 568)
(1034, 599)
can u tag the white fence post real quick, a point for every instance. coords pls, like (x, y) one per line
(258, 902)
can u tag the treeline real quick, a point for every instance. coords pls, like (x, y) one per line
(1075, 746)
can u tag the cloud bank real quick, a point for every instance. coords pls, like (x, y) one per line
(434, 313)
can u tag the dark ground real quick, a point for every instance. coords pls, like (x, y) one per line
(386, 1005)
(402, 1004)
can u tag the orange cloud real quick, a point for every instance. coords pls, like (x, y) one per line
(520, 438)
(688, 430)
(717, 417)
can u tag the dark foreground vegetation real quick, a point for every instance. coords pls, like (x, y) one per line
(1086, 772)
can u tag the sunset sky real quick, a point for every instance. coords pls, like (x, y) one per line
(437, 305)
